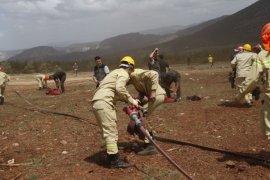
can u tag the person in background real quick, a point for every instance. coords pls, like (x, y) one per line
(42, 80)
(59, 79)
(259, 69)
(75, 68)
(211, 60)
(153, 63)
(242, 62)
(4, 78)
(100, 71)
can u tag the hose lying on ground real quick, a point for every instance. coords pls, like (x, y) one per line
(161, 139)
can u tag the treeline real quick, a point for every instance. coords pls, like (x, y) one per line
(198, 56)
(44, 66)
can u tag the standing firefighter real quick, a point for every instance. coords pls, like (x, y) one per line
(242, 63)
(261, 68)
(42, 80)
(111, 89)
(75, 68)
(232, 74)
(4, 78)
(151, 94)
(59, 79)
(100, 71)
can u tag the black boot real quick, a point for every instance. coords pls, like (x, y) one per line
(115, 162)
(148, 150)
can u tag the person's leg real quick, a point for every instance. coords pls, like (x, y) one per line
(265, 119)
(62, 81)
(40, 84)
(2, 91)
(106, 117)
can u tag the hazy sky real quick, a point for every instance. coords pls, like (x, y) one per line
(29, 23)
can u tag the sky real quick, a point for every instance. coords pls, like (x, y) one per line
(29, 23)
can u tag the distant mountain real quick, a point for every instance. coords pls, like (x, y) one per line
(37, 53)
(241, 27)
(195, 28)
(4, 55)
(129, 41)
(164, 30)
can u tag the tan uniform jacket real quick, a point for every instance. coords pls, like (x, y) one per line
(113, 88)
(243, 62)
(4, 78)
(260, 67)
(146, 81)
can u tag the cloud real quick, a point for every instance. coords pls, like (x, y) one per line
(31, 22)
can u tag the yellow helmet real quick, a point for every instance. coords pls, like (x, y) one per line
(128, 61)
(247, 47)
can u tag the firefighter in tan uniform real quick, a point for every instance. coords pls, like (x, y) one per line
(243, 62)
(261, 68)
(4, 78)
(111, 89)
(42, 80)
(146, 82)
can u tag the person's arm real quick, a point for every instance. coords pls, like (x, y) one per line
(121, 89)
(106, 70)
(233, 62)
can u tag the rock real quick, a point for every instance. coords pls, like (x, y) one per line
(230, 164)
(64, 152)
(63, 142)
(15, 144)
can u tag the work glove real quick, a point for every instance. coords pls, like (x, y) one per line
(135, 102)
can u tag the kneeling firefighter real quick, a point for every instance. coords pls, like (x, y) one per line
(151, 95)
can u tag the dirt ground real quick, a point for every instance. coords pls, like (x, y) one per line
(51, 146)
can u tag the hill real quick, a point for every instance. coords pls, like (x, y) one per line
(37, 53)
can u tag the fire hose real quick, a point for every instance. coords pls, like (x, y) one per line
(135, 116)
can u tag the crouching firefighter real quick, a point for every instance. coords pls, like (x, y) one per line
(151, 95)
(111, 89)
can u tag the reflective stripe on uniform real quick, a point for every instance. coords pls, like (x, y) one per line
(112, 148)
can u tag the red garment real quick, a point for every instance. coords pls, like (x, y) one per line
(53, 92)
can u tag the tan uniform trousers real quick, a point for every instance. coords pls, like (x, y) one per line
(41, 82)
(2, 89)
(239, 86)
(151, 106)
(265, 119)
(106, 118)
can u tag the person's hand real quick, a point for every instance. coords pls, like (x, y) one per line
(136, 102)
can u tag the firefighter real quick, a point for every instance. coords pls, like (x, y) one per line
(59, 79)
(4, 78)
(42, 80)
(259, 69)
(146, 82)
(242, 63)
(100, 71)
(167, 79)
(111, 89)
(210, 60)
